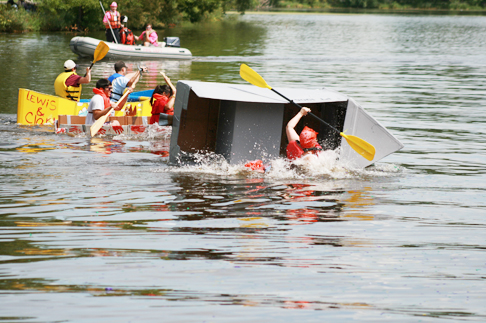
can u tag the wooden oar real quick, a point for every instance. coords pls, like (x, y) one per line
(99, 53)
(362, 147)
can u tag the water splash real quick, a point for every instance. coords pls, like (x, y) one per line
(325, 165)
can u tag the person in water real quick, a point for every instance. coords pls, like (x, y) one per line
(303, 144)
(299, 146)
(149, 37)
(100, 103)
(68, 84)
(162, 102)
(112, 19)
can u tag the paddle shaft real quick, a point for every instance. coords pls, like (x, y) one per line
(300, 107)
(89, 68)
(104, 13)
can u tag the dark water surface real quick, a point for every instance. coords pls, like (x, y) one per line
(104, 230)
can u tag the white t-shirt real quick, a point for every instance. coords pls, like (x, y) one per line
(96, 103)
(119, 86)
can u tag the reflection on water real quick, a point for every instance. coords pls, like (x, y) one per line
(105, 228)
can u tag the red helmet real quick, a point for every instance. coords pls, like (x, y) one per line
(308, 138)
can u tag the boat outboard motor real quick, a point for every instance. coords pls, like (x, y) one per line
(172, 42)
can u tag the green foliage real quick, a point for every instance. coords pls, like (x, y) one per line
(82, 15)
(18, 20)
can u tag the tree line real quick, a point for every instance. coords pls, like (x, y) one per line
(86, 15)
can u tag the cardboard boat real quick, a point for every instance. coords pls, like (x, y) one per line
(85, 47)
(245, 122)
(36, 108)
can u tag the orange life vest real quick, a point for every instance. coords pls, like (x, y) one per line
(127, 37)
(114, 20)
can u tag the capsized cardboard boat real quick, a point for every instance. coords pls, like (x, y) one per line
(245, 122)
(86, 46)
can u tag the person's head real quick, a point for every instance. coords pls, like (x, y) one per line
(120, 66)
(148, 27)
(308, 138)
(105, 86)
(70, 65)
(113, 6)
(163, 90)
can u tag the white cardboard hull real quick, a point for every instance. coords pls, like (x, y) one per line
(85, 46)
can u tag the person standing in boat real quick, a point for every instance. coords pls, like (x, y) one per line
(162, 102)
(112, 19)
(122, 80)
(68, 84)
(100, 103)
(303, 144)
(149, 37)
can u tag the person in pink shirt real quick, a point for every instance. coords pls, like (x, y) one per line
(149, 36)
(112, 19)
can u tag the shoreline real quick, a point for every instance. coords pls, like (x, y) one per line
(411, 11)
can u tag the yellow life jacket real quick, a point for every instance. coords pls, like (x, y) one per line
(68, 92)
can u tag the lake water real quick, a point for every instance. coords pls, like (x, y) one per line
(104, 230)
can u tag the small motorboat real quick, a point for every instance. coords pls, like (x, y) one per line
(85, 47)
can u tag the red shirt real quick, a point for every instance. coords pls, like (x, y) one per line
(159, 107)
(73, 80)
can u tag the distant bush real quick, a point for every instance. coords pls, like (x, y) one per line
(18, 20)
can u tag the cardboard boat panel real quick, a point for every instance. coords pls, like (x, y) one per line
(244, 122)
(129, 125)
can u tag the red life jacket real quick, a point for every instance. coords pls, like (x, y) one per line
(127, 37)
(295, 150)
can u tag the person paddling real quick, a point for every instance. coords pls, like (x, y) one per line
(68, 84)
(162, 102)
(100, 103)
(121, 79)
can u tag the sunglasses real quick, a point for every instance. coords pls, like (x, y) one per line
(109, 88)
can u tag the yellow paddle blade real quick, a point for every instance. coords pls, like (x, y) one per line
(95, 127)
(100, 51)
(362, 147)
(252, 77)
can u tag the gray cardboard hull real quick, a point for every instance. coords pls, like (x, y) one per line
(244, 122)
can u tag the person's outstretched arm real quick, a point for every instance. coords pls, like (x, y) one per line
(290, 129)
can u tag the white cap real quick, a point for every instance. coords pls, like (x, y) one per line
(69, 64)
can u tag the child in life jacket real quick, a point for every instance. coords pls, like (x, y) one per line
(303, 144)
(126, 35)
(162, 102)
